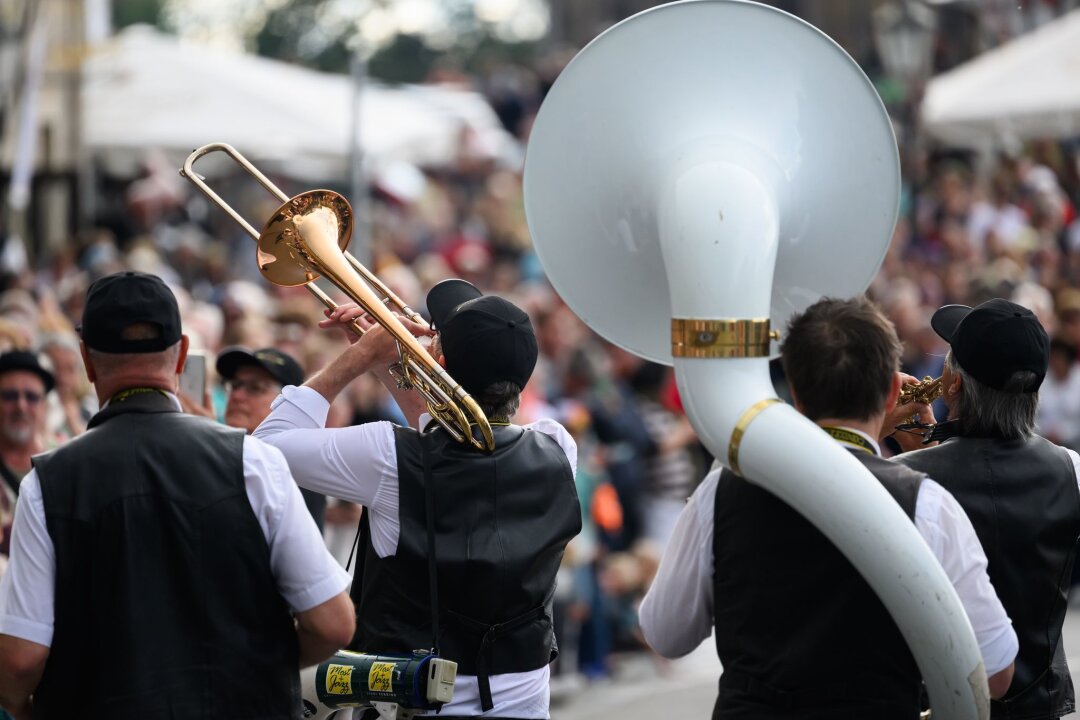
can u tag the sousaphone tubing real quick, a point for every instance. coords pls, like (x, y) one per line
(696, 175)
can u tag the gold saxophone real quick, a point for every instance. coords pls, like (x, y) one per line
(926, 391)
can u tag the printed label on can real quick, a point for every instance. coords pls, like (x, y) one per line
(339, 679)
(381, 677)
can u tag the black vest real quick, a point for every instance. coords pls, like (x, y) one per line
(166, 607)
(1022, 498)
(799, 632)
(502, 521)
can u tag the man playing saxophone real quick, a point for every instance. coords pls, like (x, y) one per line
(1020, 490)
(799, 633)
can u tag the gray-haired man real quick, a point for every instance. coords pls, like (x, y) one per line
(1019, 490)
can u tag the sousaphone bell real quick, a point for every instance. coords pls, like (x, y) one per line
(697, 174)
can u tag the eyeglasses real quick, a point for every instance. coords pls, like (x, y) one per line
(251, 387)
(12, 396)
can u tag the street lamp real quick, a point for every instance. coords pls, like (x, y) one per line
(904, 36)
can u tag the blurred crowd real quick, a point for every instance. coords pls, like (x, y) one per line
(1010, 229)
(965, 235)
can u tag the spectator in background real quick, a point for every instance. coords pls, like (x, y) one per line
(624, 577)
(12, 336)
(673, 470)
(602, 381)
(1068, 316)
(576, 591)
(24, 383)
(73, 404)
(1041, 302)
(1058, 414)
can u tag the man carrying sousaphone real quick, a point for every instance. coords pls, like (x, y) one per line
(459, 547)
(799, 632)
(1019, 489)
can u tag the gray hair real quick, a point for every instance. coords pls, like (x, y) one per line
(984, 411)
(499, 401)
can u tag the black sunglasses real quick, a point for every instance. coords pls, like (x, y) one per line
(12, 396)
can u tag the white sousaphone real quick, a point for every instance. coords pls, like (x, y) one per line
(697, 170)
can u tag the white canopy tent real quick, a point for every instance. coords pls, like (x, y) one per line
(144, 90)
(1027, 88)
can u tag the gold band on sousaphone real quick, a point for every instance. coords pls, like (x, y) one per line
(306, 238)
(730, 338)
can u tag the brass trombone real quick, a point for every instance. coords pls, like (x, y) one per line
(306, 237)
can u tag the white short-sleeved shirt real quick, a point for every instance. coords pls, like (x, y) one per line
(677, 612)
(306, 573)
(359, 463)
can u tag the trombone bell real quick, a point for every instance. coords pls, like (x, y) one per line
(306, 238)
(281, 257)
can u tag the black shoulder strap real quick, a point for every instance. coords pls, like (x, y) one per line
(429, 521)
(360, 525)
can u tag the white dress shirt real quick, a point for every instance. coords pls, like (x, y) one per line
(306, 574)
(677, 612)
(359, 463)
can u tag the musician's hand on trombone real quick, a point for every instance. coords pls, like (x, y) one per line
(380, 345)
(374, 352)
(343, 315)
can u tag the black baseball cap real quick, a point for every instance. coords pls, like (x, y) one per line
(29, 362)
(994, 340)
(116, 302)
(282, 367)
(485, 338)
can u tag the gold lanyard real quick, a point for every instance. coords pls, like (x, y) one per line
(125, 394)
(853, 440)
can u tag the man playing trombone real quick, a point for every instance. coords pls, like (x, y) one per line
(458, 547)
(799, 632)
